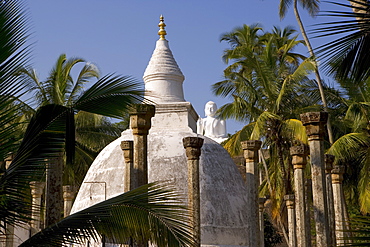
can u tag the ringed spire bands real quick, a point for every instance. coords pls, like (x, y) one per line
(163, 78)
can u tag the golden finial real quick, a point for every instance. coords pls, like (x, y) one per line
(162, 33)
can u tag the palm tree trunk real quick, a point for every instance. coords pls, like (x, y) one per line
(317, 74)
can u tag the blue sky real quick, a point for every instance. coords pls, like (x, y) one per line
(119, 36)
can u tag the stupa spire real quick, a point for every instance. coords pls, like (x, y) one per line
(162, 32)
(163, 77)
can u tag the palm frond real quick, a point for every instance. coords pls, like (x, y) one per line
(111, 96)
(232, 145)
(346, 56)
(43, 140)
(149, 213)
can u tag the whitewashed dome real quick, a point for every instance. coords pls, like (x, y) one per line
(222, 188)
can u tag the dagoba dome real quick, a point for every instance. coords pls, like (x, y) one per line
(223, 200)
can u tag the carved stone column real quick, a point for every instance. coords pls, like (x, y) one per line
(289, 200)
(68, 196)
(261, 207)
(54, 190)
(9, 229)
(329, 160)
(251, 160)
(315, 127)
(299, 161)
(8, 160)
(338, 199)
(193, 147)
(140, 123)
(37, 189)
(128, 155)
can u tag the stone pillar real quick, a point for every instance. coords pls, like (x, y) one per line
(9, 229)
(338, 199)
(315, 127)
(289, 200)
(309, 209)
(54, 190)
(128, 155)
(140, 123)
(329, 160)
(261, 207)
(68, 196)
(37, 189)
(251, 148)
(299, 161)
(8, 160)
(193, 150)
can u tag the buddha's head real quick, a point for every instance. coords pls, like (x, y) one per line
(210, 109)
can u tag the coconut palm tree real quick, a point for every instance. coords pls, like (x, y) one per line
(44, 138)
(312, 6)
(352, 149)
(263, 82)
(152, 213)
(61, 89)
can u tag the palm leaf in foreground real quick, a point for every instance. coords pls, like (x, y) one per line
(151, 212)
(360, 232)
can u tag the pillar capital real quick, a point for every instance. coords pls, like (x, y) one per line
(289, 200)
(68, 192)
(251, 148)
(37, 188)
(140, 118)
(193, 147)
(329, 160)
(128, 151)
(337, 174)
(315, 124)
(8, 159)
(251, 145)
(299, 156)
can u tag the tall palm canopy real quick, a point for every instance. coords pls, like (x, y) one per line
(264, 80)
(165, 219)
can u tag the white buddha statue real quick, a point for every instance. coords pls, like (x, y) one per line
(211, 126)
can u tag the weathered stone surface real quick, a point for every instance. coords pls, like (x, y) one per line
(315, 124)
(338, 199)
(222, 189)
(68, 196)
(130, 176)
(329, 160)
(37, 189)
(140, 118)
(315, 127)
(250, 149)
(261, 207)
(289, 200)
(193, 146)
(299, 156)
(54, 191)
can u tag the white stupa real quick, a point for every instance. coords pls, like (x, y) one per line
(222, 188)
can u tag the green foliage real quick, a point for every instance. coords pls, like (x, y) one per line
(272, 237)
(150, 213)
(347, 57)
(263, 80)
(360, 232)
